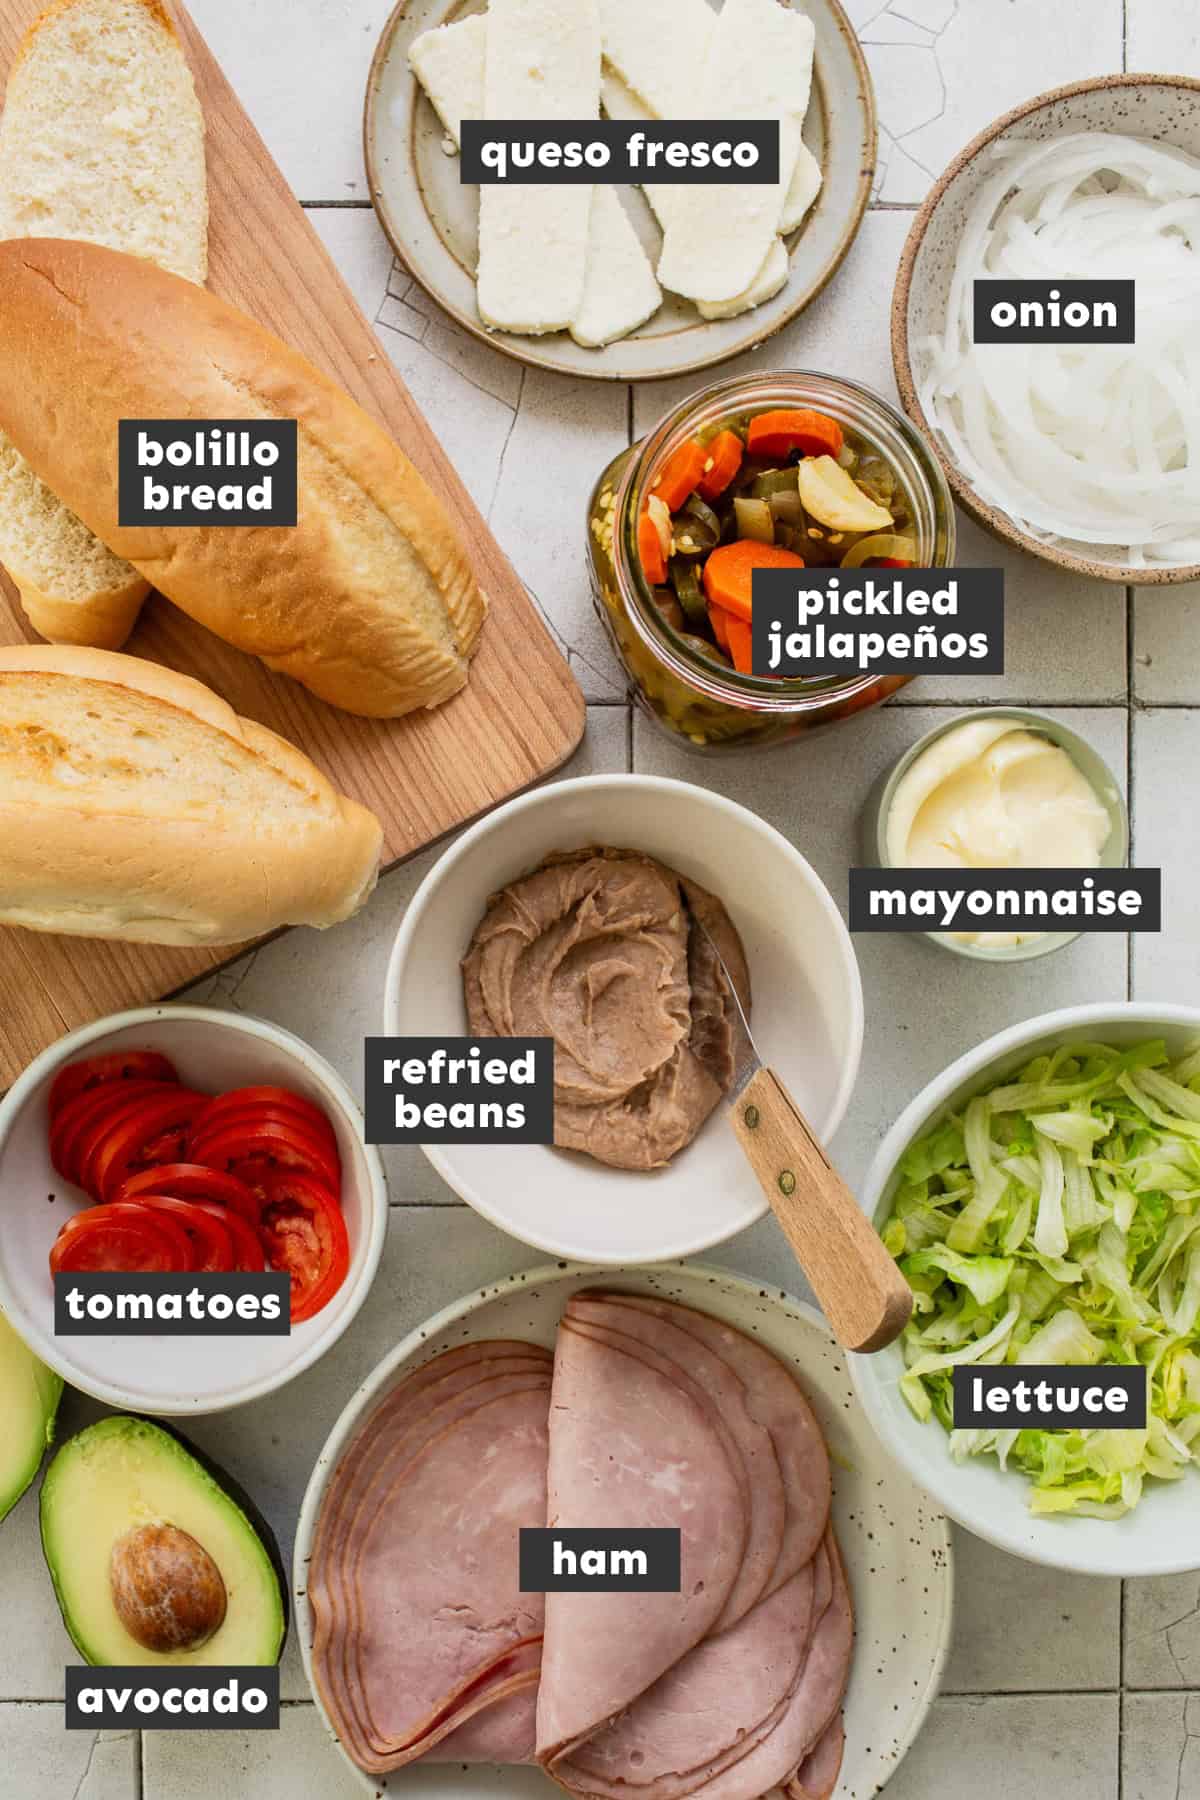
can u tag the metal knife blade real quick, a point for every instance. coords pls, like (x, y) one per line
(746, 1060)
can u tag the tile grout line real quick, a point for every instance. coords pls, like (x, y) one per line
(1130, 944)
(1112, 703)
(1130, 718)
(1121, 1697)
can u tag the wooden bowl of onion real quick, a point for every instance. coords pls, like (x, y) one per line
(1085, 452)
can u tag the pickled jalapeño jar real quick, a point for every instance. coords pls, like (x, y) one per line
(690, 691)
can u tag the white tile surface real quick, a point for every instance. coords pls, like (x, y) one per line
(944, 68)
(564, 434)
(1162, 1632)
(41, 1761)
(292, 1763)
(1166, 745)
(1037, 1747)
(1163, 36)
(300, 69)
(529, 448)
(1161, 1747)
(1166, 642)
(1069, 1637)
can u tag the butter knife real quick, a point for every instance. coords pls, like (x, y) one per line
(863, 1294)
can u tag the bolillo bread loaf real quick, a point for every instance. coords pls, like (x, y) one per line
(101, 138)
(135, 804)
(369, 601)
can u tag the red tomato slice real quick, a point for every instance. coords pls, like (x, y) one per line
(286, 1146)
(156, 1129)
(194, 1181)
(211, 1239)
(267, 1118)
(303, 1233)
(129, 1239)
(96, 1071)
(274, 1100)
(247, 1251)
(73, 1128)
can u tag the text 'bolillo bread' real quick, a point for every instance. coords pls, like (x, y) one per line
(369, 600)
(135, 804)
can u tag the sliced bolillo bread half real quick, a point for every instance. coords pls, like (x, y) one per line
(135, 804)
(101, 138)
(370, 600)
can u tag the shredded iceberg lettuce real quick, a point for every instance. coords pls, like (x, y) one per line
(1056, 1219)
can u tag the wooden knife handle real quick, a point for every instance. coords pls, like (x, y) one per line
(862, 1292)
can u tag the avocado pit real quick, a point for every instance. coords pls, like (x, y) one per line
(166, 1588)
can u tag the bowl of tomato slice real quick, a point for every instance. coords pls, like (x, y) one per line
(181, 1139)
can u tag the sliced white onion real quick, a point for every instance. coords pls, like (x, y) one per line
(1094, 445)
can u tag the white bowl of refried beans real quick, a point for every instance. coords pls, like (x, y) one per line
(573, 912)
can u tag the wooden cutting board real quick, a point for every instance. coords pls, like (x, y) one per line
(520, 716)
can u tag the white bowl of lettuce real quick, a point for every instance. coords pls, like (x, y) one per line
(1043, 1197)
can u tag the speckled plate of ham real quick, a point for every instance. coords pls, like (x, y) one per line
(805, 1646)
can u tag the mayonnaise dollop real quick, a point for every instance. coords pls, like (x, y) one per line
(992, 795)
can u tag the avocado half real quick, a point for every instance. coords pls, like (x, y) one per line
(29, 1397)
(122, 1473)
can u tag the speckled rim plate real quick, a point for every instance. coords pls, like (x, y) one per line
(896, 1545)
(916, 279)
(430, 219)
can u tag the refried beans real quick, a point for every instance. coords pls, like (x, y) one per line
(599, 950)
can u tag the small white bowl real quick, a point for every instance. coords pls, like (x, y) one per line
(176, 1376)
(1160, 1537)
(807, 1014)
(1165, 108)
(1089, 762)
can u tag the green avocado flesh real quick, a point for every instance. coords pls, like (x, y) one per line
(122, 1473)
(29, 1397)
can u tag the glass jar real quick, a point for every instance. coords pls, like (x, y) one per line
(696, 700)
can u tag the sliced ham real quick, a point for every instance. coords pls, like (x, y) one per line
(777, 1403)
(420, 1630)
(503, 1733)
(436, 1398)
(774, 1758)
(820, 1769)
(658, 1339)
(707, 1710)
(630, 1449)
(741, 1712)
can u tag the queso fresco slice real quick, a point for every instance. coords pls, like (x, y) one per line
(141, 1535)
(542, 62)
(29, 1397)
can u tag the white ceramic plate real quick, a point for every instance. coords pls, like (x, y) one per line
(174, 1376)
(432, 220)
(807, 1015)
(1161, 1536)
(896, 1546)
